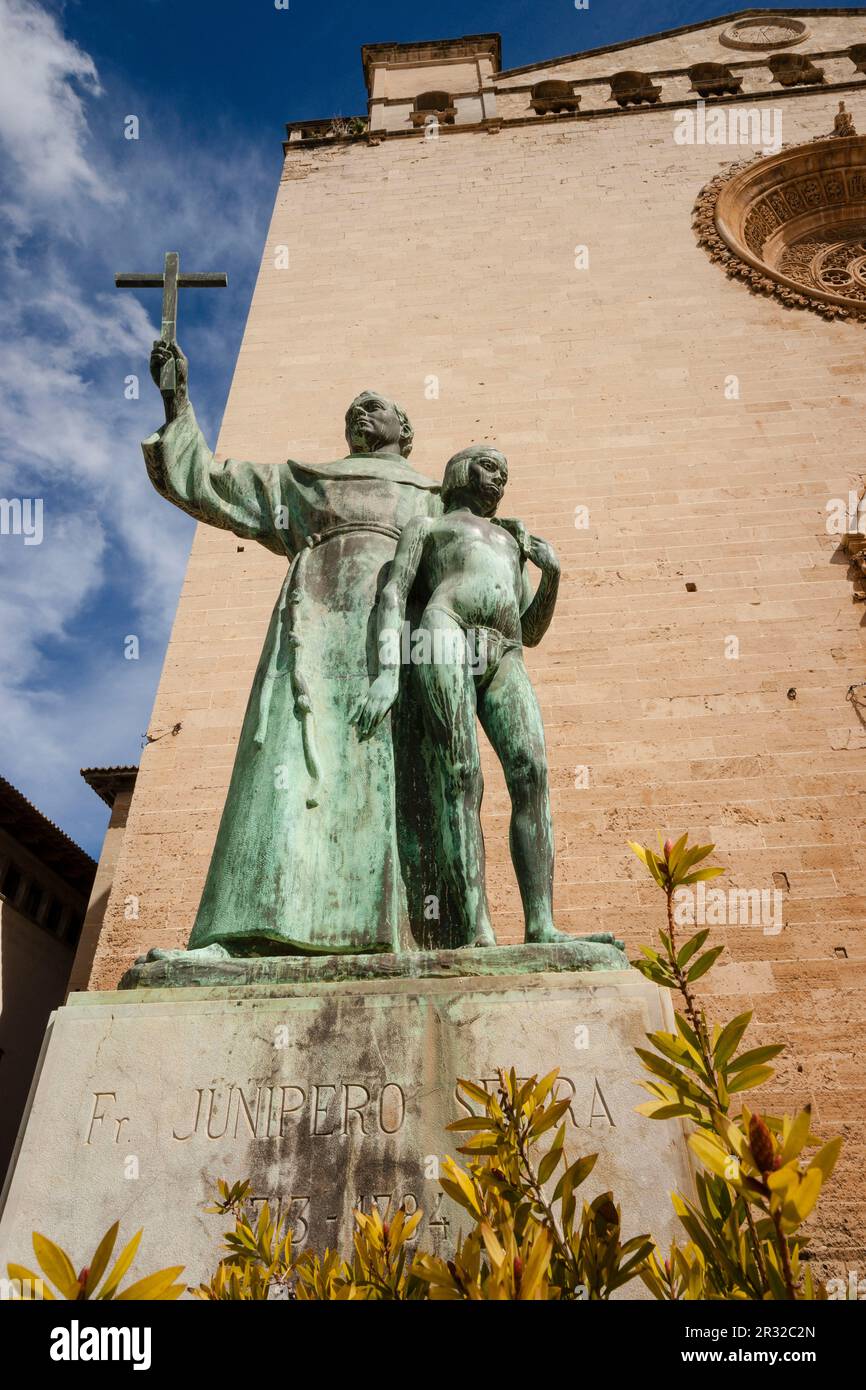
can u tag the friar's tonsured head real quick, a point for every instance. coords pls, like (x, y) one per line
(377, 425)
(478, 473)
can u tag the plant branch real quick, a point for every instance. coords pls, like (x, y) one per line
(698, 1021)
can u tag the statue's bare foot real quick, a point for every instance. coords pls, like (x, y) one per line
(547, 936)
(485, 938)
(606, 938)
(214, 952)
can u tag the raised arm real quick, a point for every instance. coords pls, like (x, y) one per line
(238, 497)
(390, 617)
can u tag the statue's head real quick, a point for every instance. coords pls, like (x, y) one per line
(377, 425)
(476, 477)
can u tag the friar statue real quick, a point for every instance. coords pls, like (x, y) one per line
(307, 858)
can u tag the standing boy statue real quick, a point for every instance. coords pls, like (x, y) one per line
(469, 570)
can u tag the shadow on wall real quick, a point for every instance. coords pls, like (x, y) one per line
(85, 954)
(34, 970)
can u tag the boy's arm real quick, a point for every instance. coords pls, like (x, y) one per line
(390, 616)
(537, 611)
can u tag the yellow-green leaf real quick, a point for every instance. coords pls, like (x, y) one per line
(549, 1164)
(693, 944)
(477, 1093)
(703, 963)
(711, 1155)
(491, 1244)
(124, 1260)
(536, 1265)
(542, 1122)
(825, 1158)
(700, 875)
(467, 1195)
(56, 1265)
(796, 1136)
(99, 1263)
(152, 1286)
(749, 1077)
(807, 1193)
(541, 1091)
(755, 1055)
(730, 1038)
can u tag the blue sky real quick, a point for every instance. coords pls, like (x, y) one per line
(212, 83)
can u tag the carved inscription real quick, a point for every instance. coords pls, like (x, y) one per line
(100, 1115)
(322, 1110)
(299, 1213)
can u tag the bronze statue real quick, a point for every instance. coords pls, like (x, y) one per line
(307, 856)
(479, 610)
(333, 844)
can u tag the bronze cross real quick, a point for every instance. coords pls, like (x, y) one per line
(169, 282)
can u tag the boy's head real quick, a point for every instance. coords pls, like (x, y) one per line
(477, 477)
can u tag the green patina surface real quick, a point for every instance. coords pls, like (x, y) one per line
(188, 970)
(351, 826)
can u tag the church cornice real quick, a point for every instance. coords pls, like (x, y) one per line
(730, 17)
(489, 104)
(322, 133)
(426, 51)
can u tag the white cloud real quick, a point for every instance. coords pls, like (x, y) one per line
(43, 130)
(80, 202)
(44, 585)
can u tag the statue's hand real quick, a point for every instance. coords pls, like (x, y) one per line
(377, 702)
(174, 398)
(543, 555)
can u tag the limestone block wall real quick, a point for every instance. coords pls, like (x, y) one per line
(449, 266)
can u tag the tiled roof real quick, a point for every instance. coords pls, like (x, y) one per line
(26, 824)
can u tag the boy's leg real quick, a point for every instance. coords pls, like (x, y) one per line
(509, 714)
(449, 707)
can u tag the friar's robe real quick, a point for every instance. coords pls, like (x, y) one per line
(306, 858)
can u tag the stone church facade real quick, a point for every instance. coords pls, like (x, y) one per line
(659, 322)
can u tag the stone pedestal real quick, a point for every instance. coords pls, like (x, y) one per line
(327, 1095)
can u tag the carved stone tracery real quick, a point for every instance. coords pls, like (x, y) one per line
(776, 31)
(839, 268)
(794, 224)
